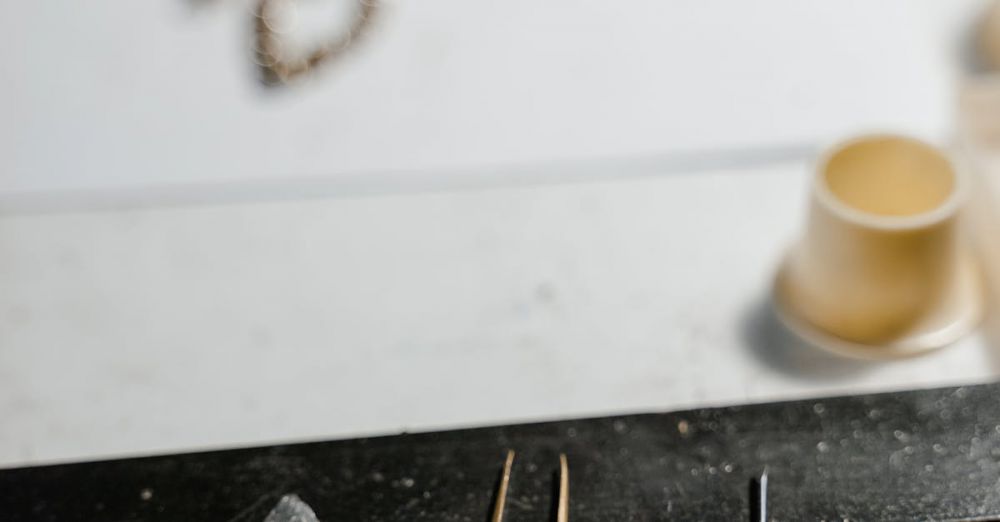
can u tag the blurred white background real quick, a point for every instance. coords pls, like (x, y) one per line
(528, 211)
(113, 94)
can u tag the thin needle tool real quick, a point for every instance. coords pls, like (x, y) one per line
(760, 513)
(502, 490)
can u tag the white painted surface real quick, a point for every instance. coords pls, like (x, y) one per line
(172, 328)
(176, 328)
(113, 94)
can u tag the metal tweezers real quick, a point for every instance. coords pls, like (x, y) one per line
(562, 511)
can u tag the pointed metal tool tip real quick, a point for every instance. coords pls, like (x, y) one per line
(501, 499)
(760, 514)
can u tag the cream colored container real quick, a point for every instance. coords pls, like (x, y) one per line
(881, 270)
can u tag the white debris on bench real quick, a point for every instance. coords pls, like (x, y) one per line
(291, 508)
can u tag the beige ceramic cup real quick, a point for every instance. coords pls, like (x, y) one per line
(881, 270)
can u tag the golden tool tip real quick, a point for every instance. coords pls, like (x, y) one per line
(562, 515)
(502, 490)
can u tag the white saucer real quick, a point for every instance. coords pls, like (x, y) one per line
(955, 316)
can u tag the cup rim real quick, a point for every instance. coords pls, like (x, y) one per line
(948, 208)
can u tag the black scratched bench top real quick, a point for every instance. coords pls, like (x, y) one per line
(920, 455)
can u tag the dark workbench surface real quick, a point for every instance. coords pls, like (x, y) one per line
(923, 455)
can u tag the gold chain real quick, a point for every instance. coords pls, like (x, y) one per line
(277, 69)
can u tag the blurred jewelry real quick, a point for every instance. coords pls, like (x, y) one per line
(277, 68)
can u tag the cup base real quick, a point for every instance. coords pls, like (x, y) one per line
(956, 315)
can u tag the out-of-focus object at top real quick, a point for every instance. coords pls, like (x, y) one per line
(281, 63)
(979, 114)
(979, 143)
(989, 37)
(881, 270)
